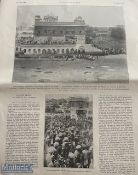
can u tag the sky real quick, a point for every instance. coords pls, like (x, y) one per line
(96, 16)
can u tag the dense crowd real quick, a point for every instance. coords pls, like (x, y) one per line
(32, 41)
(109, 47)
(67, 53)
(68, 143)
(111, 51)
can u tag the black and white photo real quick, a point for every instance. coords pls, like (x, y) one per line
(68, 136)
(67, 43)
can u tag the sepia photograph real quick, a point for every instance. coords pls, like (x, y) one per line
(68, 44)
(68, 137)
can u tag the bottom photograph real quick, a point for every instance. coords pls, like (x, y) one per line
(68, 137)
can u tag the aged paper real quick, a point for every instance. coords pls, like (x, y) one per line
(68, 87)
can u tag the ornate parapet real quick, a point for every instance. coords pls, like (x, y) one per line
(79, 20)
(53, 20)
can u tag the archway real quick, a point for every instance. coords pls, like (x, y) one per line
(81, 48)
(39, 51)
(43, 51)
(62, 50)
(34, 51)
(58, 50)
(67, 51)
(71, 50)
(29, 50)
(49, 51)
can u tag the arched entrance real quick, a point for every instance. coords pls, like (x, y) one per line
(67, 51)
(34, 51)
(49, 51)
(39, 51)
(71, 50)
(43, 51)
(62, 50)
(81, 49)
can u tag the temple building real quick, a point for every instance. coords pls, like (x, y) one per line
(50, 29)
(53, 36)
(80, 107)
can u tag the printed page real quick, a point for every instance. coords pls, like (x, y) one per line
(68, 42)
(68, 132)
(68, 87)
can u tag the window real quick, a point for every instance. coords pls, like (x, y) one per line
(53, 51)
(90, 112)
(62, 50)
(38, 33)
(39, 51)
(72, 50)
(73, 32)
(58, 50)
(34, 51)
(29, 50)
(43, 51)
(81, 104)
(67, 50)
(49, 51)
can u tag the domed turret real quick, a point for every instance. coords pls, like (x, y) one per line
(38, 18)
(51, 18)
(79, 20)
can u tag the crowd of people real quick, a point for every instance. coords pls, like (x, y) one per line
(109, 47)
(111, 51)
(68, 142)
(66, 53)
(32, 41)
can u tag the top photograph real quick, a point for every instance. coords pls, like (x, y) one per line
(70, 44)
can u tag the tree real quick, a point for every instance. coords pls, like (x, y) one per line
(118, 33)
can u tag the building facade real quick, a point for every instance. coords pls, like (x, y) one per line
(80, 107)
(51, 36)
(50, 29)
